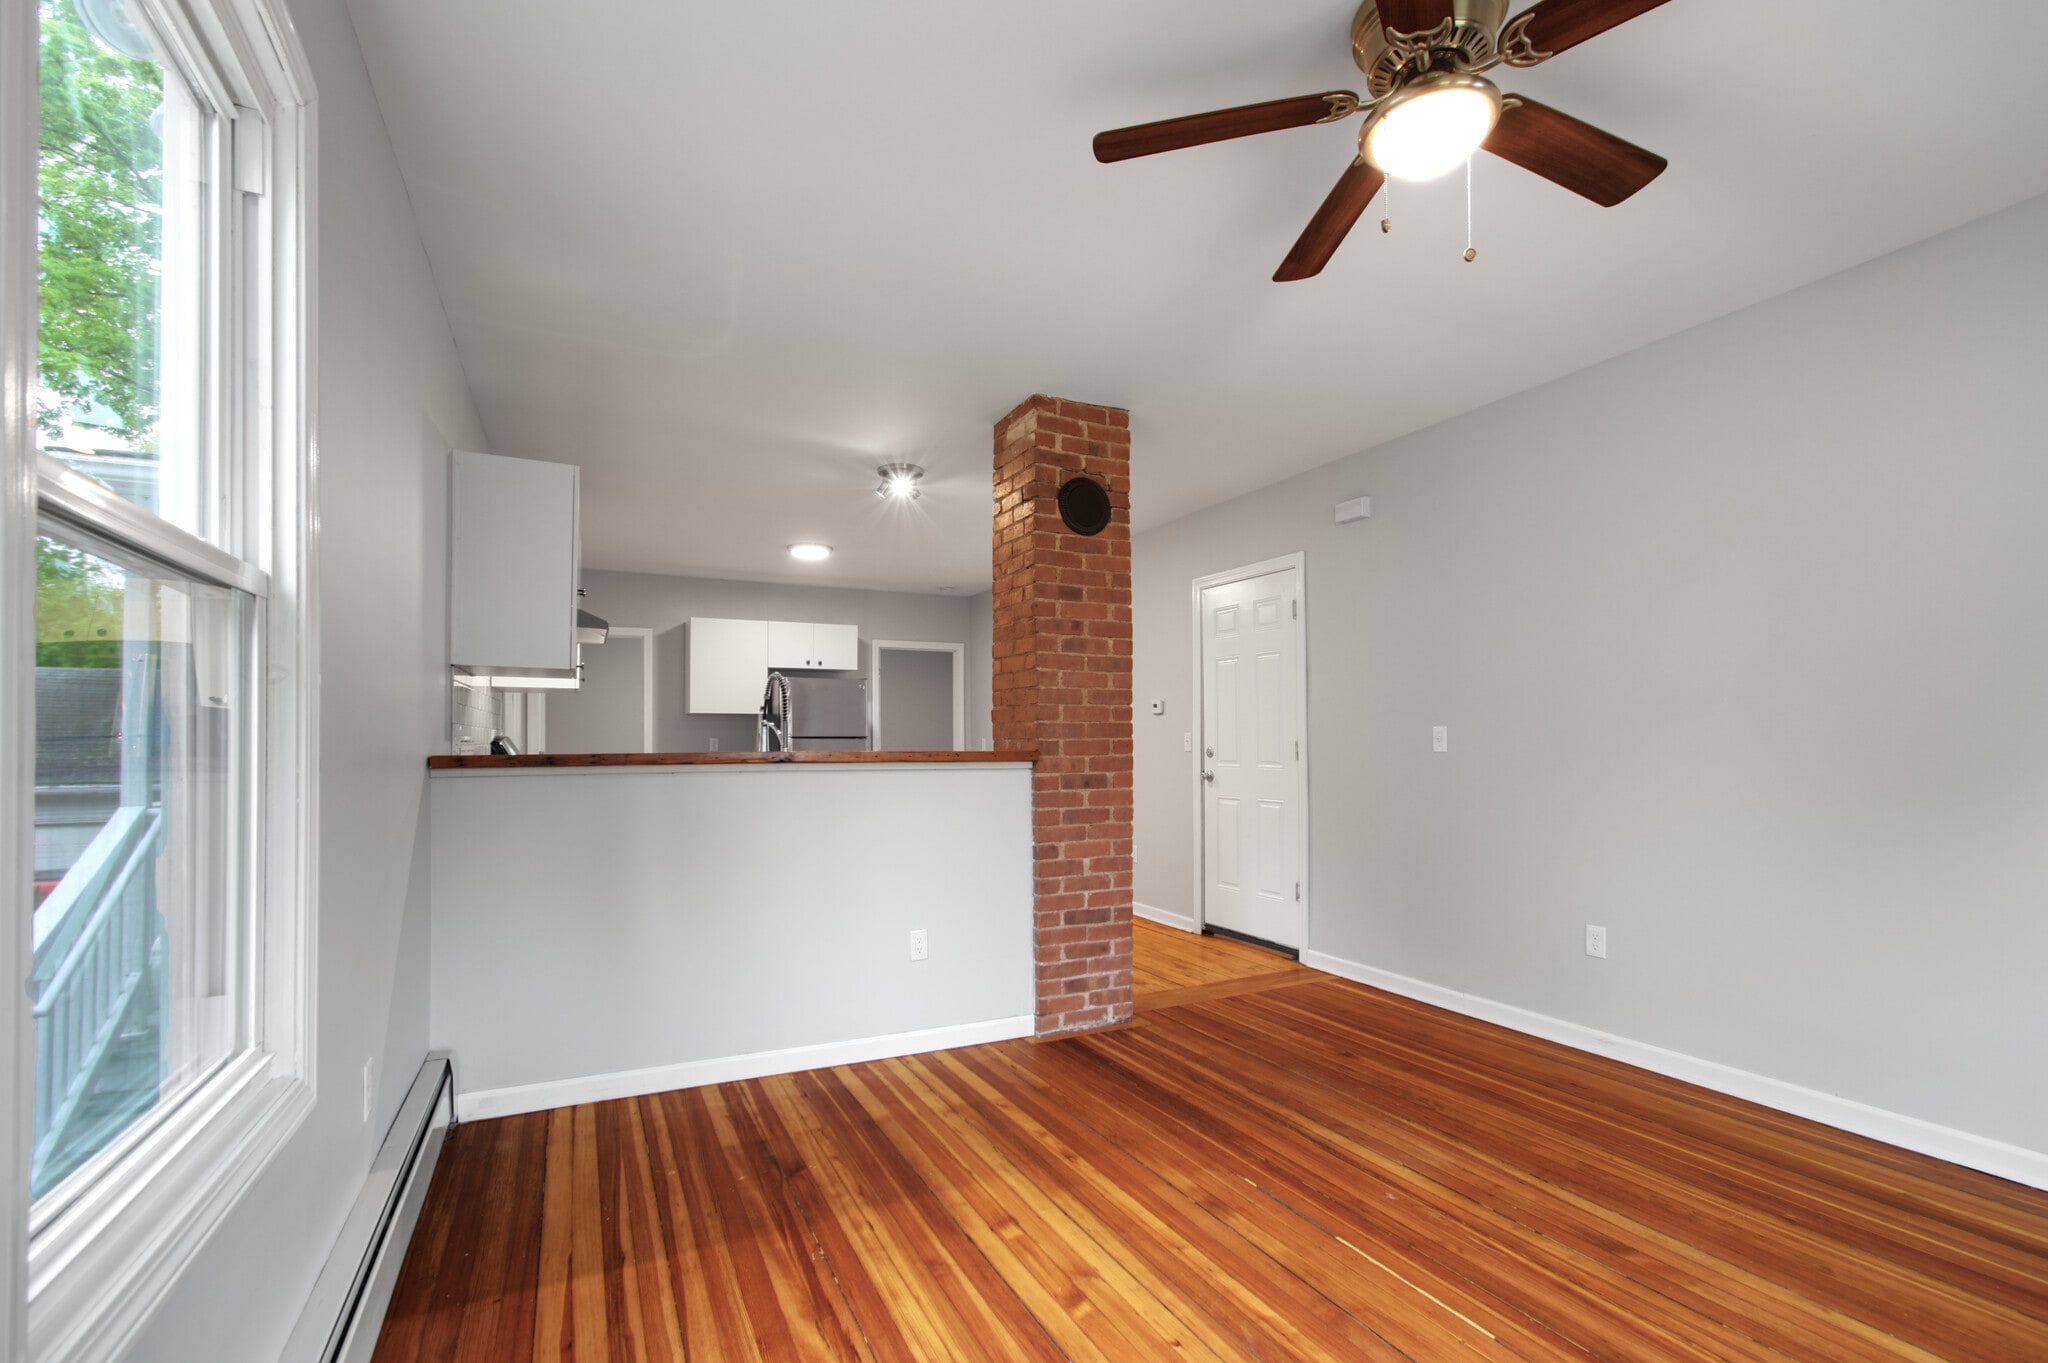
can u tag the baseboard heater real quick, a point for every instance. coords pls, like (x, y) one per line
(346, 1309)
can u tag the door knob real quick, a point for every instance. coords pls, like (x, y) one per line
(1208, 776)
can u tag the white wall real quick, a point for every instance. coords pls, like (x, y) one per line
(392, 401)
(981, 649)
(665, 605)
(1742, 640)
(597, 923)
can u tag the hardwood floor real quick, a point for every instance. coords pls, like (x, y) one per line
(1289, 1166)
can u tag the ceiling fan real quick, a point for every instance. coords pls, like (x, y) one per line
(1430, 107)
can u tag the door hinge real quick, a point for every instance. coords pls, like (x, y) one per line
(1297, 892)
(1294, 609)
(1297, 750)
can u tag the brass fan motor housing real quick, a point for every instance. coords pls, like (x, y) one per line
(1470, 44)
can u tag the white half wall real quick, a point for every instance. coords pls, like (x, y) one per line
(391, 402)
(610, 931)
(1742, 643)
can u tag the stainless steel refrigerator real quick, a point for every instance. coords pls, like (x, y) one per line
(830, 714)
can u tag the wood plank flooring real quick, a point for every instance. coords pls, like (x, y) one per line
(1287, 1166)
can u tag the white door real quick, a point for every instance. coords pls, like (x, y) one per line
(1251, 751)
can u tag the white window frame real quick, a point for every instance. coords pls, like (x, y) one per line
(78, 1277)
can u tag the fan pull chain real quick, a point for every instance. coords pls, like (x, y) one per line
(1471, 251)
(1387, 204)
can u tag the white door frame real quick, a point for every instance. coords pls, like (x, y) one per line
(959, 652)
(1298, 561)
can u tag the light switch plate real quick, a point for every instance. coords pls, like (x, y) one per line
(1440, 738)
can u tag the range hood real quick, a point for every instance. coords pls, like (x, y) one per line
(590, 629)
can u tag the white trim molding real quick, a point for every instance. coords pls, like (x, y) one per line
(1298, 561)
(598, 1088)
(959, 652)
(1186, 922)
(2029, 1167)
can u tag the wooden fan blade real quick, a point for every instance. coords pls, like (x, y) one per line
(1327, 229)
(1171, 134)
(1555, 25)
(1414, 16)
(1576, 155)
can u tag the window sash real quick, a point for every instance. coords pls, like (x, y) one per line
(98, 1265)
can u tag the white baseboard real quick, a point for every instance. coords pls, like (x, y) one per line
(1908, 1133)
(1184, 921)
(597, 1088)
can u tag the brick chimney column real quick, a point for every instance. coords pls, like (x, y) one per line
(1062, 685)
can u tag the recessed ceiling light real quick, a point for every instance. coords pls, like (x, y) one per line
(810, 553)
(899, 481)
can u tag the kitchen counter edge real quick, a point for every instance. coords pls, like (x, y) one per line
(546, 760)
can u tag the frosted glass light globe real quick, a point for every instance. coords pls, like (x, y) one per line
(1432, 128)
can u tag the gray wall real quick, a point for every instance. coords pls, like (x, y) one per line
(1742, 640)
(607, 713)
(593, 922)
(392, 402)
(916, 701)
(981, 648)
(665, 605)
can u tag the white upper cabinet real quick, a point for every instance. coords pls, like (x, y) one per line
(730, 659)
(789, 644)
(512, 574)
(834, 648)
(728, 665)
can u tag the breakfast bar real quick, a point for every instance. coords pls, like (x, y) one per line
(618, 923)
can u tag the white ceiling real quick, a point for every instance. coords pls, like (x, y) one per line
(728, 257)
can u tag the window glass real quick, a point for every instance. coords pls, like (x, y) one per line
(140, 854)
(123, 222)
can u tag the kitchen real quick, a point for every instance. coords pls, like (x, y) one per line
(691, 829)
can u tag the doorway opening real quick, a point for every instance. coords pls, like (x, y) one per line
(1250, 758)
(612, 711)
(917, 691)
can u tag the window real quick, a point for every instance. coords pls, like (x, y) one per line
(170, 778)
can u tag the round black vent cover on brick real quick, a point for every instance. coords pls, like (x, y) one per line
(1084, 506)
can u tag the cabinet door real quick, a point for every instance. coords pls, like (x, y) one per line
(789, 645)
(728, 666)
(837, 647)
(512, 570)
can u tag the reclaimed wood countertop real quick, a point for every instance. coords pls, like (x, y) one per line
(490, 761)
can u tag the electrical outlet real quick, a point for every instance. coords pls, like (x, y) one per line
(369, 1086)
(1596, 941)
(1440, 738)
(714, 744)
(918, 950)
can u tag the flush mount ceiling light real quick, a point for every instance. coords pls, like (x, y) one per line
(899, 482)
(810, 553)
(1431, 127)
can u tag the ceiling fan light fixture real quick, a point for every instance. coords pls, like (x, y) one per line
(1432, 127)
(899, 482)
